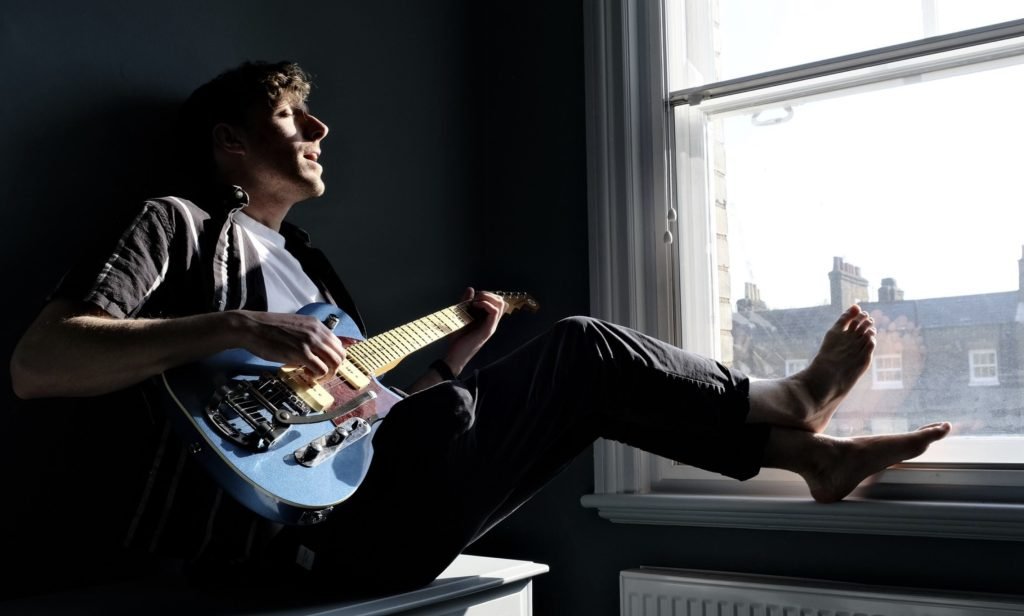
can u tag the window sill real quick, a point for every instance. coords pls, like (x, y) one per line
(954, 520)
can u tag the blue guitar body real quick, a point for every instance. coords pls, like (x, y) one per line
(235, 413)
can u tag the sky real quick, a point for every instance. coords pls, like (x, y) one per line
(923, 182)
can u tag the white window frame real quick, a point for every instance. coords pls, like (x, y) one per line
(985, 381)
(880, 371)
(639, 277)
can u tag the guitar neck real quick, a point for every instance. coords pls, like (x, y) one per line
(375, 355)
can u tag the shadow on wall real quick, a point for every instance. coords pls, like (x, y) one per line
(69, 178)
(75, 177)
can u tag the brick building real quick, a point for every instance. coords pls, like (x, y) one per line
(947, 358)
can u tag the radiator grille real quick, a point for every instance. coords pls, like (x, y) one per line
(668, 592)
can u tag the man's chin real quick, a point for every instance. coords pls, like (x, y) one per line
(315, 187)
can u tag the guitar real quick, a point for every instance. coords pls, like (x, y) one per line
(284, 445)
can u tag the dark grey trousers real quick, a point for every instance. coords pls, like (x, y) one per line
(452, 461)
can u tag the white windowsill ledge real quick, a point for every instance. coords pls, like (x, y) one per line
(993, 521)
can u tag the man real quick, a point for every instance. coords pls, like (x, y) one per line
(191, 277)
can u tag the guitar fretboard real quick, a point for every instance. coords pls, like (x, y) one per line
(392, 346)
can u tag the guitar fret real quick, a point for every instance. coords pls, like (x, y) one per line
(355, 358)
(389, 347)
(410, 343)
(438, 326)
(373, 354)
(421, 332)
(405, 342)
(363, 351)
(462, 315)
(415, 332)
(393, 342)
(396, 348)
(381, 350)
(450, 316)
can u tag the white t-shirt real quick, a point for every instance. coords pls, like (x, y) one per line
(288, 287)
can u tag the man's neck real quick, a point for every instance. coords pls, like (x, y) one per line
(269, 215)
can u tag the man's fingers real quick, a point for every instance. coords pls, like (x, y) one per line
(490, 300)
(321, 351)
(297, 339)
(329, 350)
(314, 364)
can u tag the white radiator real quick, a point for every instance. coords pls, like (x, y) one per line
(679, 592)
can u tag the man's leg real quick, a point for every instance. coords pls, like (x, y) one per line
(431, 492)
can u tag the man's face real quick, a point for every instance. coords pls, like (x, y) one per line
(283, 149)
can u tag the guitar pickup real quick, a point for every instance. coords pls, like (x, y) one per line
(325, 447)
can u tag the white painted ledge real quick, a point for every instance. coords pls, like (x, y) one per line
(470, 586)
(992, 521)
(491, 585)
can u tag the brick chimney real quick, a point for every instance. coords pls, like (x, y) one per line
(751, 299)
(889, 292)
(848, 286)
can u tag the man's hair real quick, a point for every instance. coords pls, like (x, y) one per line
(226, 98)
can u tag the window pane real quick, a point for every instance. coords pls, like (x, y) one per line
(908, 200)
(754, 37)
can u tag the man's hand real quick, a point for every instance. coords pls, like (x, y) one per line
(291, 339)
(464, 344)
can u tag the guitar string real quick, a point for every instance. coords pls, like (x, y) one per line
(370, 346)
(367, 355)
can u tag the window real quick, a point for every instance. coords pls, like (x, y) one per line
(984, 368)
(887, 371)
(809, 167)
(824, 180)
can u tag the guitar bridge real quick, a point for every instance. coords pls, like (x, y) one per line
(247, 411)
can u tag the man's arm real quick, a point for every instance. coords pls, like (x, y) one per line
(74, 349)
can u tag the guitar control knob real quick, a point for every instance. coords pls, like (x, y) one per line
(310, 453)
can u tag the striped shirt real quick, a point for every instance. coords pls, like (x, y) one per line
(174, 259)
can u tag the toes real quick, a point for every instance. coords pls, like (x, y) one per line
(864, 325)
(847, 317)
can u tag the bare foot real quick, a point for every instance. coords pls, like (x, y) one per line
(843, 358)
(840, 464)
(808, 399)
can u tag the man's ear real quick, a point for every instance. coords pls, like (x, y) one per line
(228, 138)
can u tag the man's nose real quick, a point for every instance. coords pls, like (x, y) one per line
(315, 129)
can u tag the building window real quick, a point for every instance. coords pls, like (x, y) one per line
(795, 365)
(984, 367)
(887, 372)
